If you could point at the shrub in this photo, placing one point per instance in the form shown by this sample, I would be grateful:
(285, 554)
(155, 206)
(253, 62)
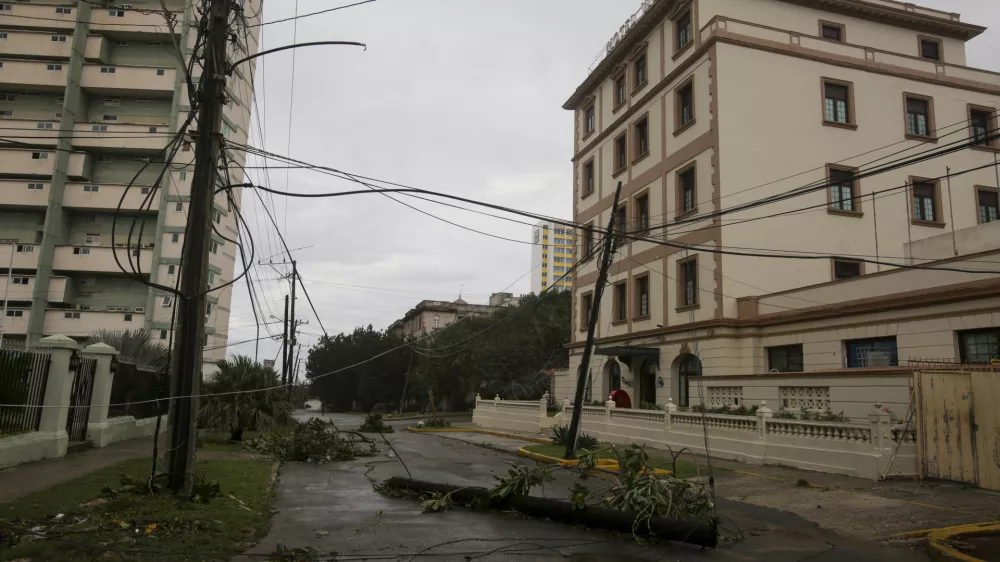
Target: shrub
(560, 436)
(373, 424)
(314, 441)
(650, 406)
(242, 396)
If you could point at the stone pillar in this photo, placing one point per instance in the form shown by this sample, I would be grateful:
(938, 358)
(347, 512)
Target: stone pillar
(670, 409)
(98, 431)
(496, 401)
(565, 406)
(543, 411)
(879, 420)
(763, 414)
(57, 392)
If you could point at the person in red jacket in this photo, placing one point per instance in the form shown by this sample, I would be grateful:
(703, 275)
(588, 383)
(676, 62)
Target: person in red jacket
(621, 399)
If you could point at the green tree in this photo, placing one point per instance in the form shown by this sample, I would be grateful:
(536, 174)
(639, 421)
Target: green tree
(257, 405)
(135, 347)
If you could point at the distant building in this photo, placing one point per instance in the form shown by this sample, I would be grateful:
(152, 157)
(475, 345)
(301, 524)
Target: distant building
(504, 299)
(553, 249)
(433, 315)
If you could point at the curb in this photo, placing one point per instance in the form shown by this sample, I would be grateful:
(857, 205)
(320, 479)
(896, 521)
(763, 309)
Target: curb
(540, 440)
(424, 416)
(938, 540)
(604, 464)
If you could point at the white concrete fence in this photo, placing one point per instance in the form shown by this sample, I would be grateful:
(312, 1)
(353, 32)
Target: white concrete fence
(866, 450)
(51, 440)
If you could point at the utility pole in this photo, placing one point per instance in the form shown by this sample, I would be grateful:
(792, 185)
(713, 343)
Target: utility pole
(292, 339)
(186, 380)
(284, 348)
(602, 278)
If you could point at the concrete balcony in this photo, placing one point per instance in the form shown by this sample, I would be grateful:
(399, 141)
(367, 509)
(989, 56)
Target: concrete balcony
(60, 289)
(39, 163)
(130, 21)
(121, 136)
(15, 194)
(98, 259)
(107, 197)
(128, 80)
(36, 45)
(15, 325)
(28, 131)
(83, 322)
(38, 75)
(22, 259)
(22, 16)
(98, 49)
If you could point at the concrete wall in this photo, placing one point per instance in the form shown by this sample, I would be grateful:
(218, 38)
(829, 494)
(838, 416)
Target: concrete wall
(125, 428)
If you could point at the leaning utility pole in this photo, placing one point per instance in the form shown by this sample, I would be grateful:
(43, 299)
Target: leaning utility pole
(602, 278)
(284, 348)
(186, 380)
(293, 326)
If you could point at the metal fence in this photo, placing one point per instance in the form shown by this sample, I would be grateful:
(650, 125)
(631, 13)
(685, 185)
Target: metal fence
(23, 376)
(936, 364)
(79, 401)
(133, 389)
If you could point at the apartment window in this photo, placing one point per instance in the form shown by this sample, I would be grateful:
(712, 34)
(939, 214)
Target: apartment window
(127, 317)
(687, 278)
(211, 277)
(640, 75)
(216, 217)
(160, 71)
(163, 334)
(588, 238)
(110, 118)
(116, 13)
(71, 315)
(183, 175)
(588, 177)
(175, 237)
(99, 128)
(81, 251)
(39, 155)
(586, 304)
(204, 340)
(92, 240)
(838, 108)
(90, 188)
(20, 280)
(621, 218)
(108, 70)
(36, 186)
(930, 48)
(621, 153)
(112, 102)
(925, 201)
(846, 269)
(686, 190)
(642, 137)
(215, 246)
(983, 125)
(54, 67)
(43, 125)
(167, 301)
(831, 31)
(979, 346)
(589, 119)
(988, 203)
(683, 29)
(171, 269)
(152, 129)
(642, 297)
(843, 190)
(179, 207)
(785, 358)
(621, 302)
(94, 219)
(25, 248)
(121, 43)
(15, 313)
(642, 212)
(685, 106)
(58, 38)
(144, 190)
(619, 90)
(872, 352)
(919, 116)
(7, 114)
(65, 11)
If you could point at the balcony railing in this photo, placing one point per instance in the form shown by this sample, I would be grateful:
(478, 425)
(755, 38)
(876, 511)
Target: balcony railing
(121, 136)
(131, 21)
(107, 196)
(36, 74)
(19, 291)
(100, 259)
(37, 16)
(36, 45)
(82, 322)
(128, 80)
(16, 193)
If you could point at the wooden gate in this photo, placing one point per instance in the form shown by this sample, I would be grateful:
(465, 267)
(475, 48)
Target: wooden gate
(959, 426)
(79, 401)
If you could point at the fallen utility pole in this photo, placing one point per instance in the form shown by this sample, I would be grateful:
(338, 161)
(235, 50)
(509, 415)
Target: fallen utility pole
(186, 379)
(595, 308)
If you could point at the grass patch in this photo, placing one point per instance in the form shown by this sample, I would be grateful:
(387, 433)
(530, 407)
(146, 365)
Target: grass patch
(684, 468)
(220, 441)
(228, 524)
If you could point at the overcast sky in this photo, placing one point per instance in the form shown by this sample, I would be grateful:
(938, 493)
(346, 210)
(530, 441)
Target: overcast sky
(460, 96)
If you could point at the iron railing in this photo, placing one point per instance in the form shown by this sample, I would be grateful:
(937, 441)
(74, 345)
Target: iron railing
(941, 364)
(83, 388)
(23, 377)
(132, 390)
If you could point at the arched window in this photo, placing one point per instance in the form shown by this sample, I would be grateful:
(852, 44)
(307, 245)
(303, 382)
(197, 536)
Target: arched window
(437, 321)
(690, 367)
(647, 383)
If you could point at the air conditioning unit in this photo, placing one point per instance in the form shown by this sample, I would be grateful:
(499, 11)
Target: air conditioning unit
(119, 245)
(140, 309)
(150, 245)
(83, 307)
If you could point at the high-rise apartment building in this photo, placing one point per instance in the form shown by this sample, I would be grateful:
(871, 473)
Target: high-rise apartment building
(746, 128)
(91, 97)
(551, 257)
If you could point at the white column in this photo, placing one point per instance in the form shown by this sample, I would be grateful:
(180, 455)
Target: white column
(763, 414)
(57, 392)
(543, 412)
(98, 431)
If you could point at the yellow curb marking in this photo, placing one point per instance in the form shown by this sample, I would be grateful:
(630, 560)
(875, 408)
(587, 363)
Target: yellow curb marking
(605, 464)
(540, 440)
(937, 538)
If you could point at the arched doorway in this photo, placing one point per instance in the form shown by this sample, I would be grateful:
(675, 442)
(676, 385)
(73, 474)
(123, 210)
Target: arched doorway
(647, 382)
(614, 376)
(690, 367)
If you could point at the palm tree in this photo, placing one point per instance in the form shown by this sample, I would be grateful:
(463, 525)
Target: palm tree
(135, 347)
(260, 404)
